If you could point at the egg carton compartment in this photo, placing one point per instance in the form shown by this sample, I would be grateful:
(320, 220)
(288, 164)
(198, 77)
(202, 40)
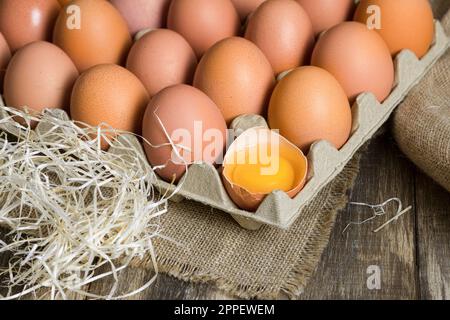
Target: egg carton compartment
(203, 182)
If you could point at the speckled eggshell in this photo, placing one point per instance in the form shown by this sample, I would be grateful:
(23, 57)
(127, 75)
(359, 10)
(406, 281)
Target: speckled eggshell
(143, 14)
(308, 105)
(237, 76)
(203, 22)
(40, 75)
(182, 107)
(325, 14)
(103, 36)
(405, 24)
(162, 58)
(25, 21)
(358, 58)
(109, 94)
(245, 7)
(5, 56)
(283, 32)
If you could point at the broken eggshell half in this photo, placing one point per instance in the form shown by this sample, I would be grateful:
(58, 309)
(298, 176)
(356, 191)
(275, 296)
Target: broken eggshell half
(281, 164)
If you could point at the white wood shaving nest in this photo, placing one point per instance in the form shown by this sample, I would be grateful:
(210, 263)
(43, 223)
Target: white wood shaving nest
(75, 214)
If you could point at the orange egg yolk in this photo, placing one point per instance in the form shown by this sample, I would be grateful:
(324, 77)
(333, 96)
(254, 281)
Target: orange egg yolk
(262, 178)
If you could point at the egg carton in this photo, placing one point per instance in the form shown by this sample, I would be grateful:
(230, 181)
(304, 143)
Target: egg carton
(203, 182)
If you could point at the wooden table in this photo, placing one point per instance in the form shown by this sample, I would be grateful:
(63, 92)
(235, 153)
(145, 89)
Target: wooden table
(412, 255)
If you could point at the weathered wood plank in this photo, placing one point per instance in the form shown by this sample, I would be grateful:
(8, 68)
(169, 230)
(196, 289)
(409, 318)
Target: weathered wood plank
(4, 258)
(3, 261)
(165, 287)
(342, 273)
(433, 242)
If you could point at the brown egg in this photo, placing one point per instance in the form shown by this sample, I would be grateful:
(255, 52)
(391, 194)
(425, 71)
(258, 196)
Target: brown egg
(283, 32)
(404, 24)
(5, 56)
(203, 22)
(143, 14)
(325, 14)
(95, 33)
(64, 2)
(109, 94)
(23, 22)
(236, 75)
(191, 120)
(308, 105)
(162, 58)
(245, 7)
(358, 58)
(40, 75)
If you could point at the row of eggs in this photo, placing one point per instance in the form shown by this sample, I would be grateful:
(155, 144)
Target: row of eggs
(231, 75)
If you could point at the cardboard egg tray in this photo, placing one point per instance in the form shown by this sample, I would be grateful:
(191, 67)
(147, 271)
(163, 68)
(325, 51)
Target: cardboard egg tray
(203, 182)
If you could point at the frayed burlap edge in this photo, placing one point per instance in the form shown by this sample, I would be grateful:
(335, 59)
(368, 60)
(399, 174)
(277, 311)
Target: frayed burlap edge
(303, 270)
(320, 235)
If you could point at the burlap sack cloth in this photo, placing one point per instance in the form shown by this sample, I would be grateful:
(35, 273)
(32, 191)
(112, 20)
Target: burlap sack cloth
(212, 248)
(421, 124)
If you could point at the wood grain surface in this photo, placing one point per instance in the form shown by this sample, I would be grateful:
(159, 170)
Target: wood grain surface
(412, 254)
(342, 273)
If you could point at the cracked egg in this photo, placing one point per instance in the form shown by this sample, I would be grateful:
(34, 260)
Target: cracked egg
(259, 162)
